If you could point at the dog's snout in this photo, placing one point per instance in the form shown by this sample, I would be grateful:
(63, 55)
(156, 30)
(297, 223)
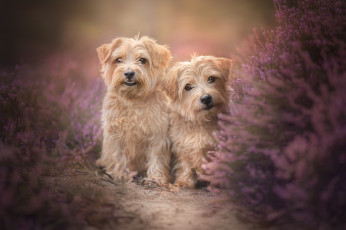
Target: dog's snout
(129, 74)
(206, 99)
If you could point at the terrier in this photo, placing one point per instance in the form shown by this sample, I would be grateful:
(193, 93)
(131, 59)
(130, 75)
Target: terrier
(135, 114)
(198, 92)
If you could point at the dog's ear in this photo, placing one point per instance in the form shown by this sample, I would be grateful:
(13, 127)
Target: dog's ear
(160, 54)
(224, 64)
(171, 80)
(104, 52)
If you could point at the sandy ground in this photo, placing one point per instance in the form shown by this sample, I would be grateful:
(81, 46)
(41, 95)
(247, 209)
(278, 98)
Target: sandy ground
(143, 205)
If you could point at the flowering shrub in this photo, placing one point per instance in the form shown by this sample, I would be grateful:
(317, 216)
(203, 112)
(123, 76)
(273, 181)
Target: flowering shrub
(48, 108)
(281, 151)
(43, 116)
(77, 110)
(27, 203)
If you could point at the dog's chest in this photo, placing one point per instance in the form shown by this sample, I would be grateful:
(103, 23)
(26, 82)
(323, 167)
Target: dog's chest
(142, 122)
(191, 139)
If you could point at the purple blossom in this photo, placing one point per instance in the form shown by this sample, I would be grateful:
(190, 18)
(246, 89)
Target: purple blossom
(281, 149)
(47, 117)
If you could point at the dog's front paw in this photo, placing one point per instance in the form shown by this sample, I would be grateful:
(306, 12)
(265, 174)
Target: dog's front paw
(185, 183)
(120, 176)
(99, 163)
(160, 180)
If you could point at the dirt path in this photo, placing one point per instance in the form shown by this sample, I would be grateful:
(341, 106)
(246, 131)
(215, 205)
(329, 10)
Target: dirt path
(183, 209)
(145, 206)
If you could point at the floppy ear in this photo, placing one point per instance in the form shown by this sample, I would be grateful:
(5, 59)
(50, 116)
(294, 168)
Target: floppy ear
(225, 65)
(160, 54)
(104, 52)
(171, 80)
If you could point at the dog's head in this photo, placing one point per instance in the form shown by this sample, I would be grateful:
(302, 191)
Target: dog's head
(133, 67)
(198, 89)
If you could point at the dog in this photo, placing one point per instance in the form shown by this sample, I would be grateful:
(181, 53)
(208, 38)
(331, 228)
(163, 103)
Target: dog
(135, 115)
(198, 92)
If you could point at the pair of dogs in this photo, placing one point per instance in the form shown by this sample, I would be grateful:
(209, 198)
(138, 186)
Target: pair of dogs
(148, 115)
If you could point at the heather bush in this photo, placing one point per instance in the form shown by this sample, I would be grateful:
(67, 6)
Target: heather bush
(281, 151)
(23, 202)
(48, 119)
(26, 201)
(77, 111)
(61, 111)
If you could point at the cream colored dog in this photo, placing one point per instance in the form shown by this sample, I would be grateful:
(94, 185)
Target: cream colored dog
(198, 92)
(134, 114)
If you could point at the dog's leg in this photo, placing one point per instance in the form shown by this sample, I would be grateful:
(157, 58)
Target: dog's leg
(158, 162)
(107, 149)
(185, 176)
(112, 159)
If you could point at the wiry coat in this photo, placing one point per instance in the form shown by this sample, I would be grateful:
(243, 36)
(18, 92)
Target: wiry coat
(192, 123)
(135, 118)
(190, 143)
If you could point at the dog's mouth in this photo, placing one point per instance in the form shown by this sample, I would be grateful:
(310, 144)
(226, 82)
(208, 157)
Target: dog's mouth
(209, 107)
(130, 83)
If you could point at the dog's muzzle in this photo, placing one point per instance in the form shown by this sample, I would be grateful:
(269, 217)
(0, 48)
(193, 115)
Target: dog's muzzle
(207, 100)
(129, 75)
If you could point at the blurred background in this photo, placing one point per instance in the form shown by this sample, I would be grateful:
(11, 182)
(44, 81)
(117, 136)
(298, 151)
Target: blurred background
(292, 159)
(33, 32)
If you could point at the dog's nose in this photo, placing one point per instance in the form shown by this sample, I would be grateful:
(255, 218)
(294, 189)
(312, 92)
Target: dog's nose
(206, 99)
(129, 74)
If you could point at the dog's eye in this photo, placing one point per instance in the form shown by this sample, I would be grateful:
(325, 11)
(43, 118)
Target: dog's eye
(143, 60)
(118, 60)
(211, 79)
(188, 87)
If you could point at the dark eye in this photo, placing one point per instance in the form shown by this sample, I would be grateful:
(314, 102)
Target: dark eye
(143, 60)
(118, 60)
(188, 87)
(211, 79)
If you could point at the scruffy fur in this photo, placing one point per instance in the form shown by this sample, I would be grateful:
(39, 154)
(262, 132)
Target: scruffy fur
(135, 115)
(191, 121)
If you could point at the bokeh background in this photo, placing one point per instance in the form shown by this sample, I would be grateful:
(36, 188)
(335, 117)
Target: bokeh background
(281, 150)
(51, 92)
(33, 31)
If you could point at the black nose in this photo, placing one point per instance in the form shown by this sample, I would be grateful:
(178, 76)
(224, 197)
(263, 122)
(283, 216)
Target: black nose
(129, 74)
(206, 99)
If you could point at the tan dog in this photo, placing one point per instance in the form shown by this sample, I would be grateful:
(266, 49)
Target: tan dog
(198, 92)
(134, 114)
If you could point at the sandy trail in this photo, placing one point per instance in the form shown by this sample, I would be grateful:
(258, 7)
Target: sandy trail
(145, 206)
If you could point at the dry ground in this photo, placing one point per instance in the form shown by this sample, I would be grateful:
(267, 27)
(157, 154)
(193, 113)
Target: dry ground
(147, 206)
